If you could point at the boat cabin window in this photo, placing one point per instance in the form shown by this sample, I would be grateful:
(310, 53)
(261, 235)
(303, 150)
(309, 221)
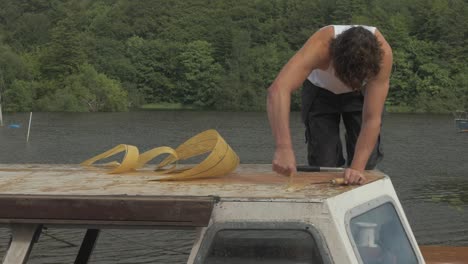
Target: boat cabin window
(379, 237)
(255, 246)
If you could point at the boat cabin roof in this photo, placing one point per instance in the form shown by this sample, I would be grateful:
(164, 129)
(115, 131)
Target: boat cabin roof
(248, 182)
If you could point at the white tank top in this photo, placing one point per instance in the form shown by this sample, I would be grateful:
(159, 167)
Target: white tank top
(327, 79)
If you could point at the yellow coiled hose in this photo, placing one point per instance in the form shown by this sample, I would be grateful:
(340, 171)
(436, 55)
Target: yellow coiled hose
(221, 161)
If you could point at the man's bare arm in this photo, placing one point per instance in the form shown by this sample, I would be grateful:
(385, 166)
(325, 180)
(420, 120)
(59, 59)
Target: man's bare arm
(374, 100)
(313, 55)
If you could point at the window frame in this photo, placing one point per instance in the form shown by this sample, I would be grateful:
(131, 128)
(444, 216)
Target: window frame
(370, 205)
(208, 238)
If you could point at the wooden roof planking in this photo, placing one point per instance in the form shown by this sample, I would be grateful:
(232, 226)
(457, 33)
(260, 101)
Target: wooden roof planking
(247, 182)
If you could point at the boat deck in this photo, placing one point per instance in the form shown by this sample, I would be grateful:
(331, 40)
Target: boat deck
(35, 195)
(70, 194)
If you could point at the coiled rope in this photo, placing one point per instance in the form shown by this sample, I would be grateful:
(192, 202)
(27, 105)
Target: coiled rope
(221, 161)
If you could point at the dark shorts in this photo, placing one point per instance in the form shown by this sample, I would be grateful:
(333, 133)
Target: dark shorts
(322, 113)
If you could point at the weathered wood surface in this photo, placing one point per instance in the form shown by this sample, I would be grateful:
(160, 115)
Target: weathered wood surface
(445, 254)
(247, 182)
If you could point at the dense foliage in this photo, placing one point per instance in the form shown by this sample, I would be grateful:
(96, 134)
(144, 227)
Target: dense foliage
(111, 55)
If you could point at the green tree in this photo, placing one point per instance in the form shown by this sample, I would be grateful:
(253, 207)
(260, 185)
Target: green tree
(20, 96)
(12, 67)
(200, 75)
(30, 31)
(346, 11)
(156, 69)
(86, 91)
(65, 52)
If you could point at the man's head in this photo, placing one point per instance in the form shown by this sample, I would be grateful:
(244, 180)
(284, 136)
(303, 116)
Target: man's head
(356, 56)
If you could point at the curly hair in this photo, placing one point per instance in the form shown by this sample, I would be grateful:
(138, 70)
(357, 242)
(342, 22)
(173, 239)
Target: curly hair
(356, 55)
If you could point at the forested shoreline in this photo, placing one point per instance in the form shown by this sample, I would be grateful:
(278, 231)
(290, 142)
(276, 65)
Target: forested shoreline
(118, 55)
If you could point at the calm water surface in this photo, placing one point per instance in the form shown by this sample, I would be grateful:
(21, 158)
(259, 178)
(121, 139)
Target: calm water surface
(424, 156)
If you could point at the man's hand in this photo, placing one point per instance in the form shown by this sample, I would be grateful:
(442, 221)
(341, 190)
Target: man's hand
(284, 161)
(352, 176)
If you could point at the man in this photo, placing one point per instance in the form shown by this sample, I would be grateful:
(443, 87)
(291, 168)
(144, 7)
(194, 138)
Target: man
(347, 70)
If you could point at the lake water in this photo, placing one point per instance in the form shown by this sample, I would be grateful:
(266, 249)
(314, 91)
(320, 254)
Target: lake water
(425, 157)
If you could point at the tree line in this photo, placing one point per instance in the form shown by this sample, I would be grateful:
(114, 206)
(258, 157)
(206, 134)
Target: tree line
(116, 55)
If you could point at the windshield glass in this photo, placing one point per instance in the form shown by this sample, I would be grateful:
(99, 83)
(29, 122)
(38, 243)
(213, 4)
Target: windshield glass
(264, 246)
(380, 237)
